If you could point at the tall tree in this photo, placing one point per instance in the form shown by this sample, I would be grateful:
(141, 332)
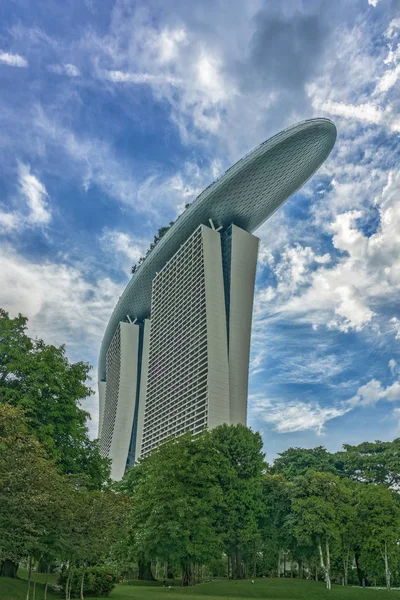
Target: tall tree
(378, 521)
(173, 496)
(320, 509)
(276, 505)
(240, 480)
(40, 379)
(30, 492)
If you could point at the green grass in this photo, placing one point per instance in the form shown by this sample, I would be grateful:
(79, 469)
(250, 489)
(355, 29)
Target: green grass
(15, 589)
(267, 589)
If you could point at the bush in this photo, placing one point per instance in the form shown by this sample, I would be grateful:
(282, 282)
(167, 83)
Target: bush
(98, 581)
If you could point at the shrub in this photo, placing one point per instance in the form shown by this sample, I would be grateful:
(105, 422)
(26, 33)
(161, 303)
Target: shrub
(98, 581)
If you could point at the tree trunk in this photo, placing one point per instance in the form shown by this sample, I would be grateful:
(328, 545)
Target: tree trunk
(279, 563)
(325, 567)
(8, 568)
(46, 582)
(165, 570)
(238, 565)
(70, 583)
(34, 589)
(228, 570)
(346, 567)
(82, 580)
(255, 564)
(29, 578)
(316, 572)
(360, 573)
(233, 566)
(145, 572)
(187, 575)
(387, 570)
(328, 567)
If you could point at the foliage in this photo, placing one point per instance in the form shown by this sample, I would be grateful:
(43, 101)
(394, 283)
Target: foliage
(31, 491)
(378, 521)
(320, 511)
(174, 494)
(240, 481)
(39, 379)
(97, 581)
(298, 461)
(372, 462)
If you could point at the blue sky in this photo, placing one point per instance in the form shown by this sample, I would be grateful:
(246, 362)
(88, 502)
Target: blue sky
(113, 115)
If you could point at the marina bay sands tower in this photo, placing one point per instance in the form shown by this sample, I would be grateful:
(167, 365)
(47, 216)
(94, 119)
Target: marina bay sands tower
(175, 353)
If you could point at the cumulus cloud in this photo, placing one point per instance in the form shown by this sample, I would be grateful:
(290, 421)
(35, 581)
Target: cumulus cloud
(13, 60)
(373, 391)
(344, 294)
(64, 304)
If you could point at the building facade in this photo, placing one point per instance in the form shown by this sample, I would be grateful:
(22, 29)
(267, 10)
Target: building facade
(175, 354)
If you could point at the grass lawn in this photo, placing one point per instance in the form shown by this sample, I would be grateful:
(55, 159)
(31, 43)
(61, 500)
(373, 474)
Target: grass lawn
(267, 589)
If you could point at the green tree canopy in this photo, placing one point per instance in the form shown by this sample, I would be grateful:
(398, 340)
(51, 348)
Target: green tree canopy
(372, 462)
(31, 490)
(39, 379)
(173, 493)
(294, 462)
(240, 479)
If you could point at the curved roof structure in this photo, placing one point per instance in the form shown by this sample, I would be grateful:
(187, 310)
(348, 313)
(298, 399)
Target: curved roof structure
(246, 195)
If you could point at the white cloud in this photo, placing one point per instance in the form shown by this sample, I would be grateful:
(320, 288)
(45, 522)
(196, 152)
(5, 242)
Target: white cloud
(373, 391)
(13, 60)
(36, 195)
(346, 293)
(120, 243)
(9, 221)
(65, 69)
(139, 78)
(393, 366)
(64, 304)
(373, 2)
(95, 162)
(395, 326)
(291, 416)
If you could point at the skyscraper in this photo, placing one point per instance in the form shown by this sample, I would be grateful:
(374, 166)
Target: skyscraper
(175, 353)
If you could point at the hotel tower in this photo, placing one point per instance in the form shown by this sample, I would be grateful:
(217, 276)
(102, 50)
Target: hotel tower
(175, 354)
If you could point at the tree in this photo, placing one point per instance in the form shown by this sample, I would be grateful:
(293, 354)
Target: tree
(276, 497)
(173, 497)
(294, 462)
(240, 478)
(320, 509)
(378, 521)
(93, 522)
(40, 379)
(30, 492)
(372, 462)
